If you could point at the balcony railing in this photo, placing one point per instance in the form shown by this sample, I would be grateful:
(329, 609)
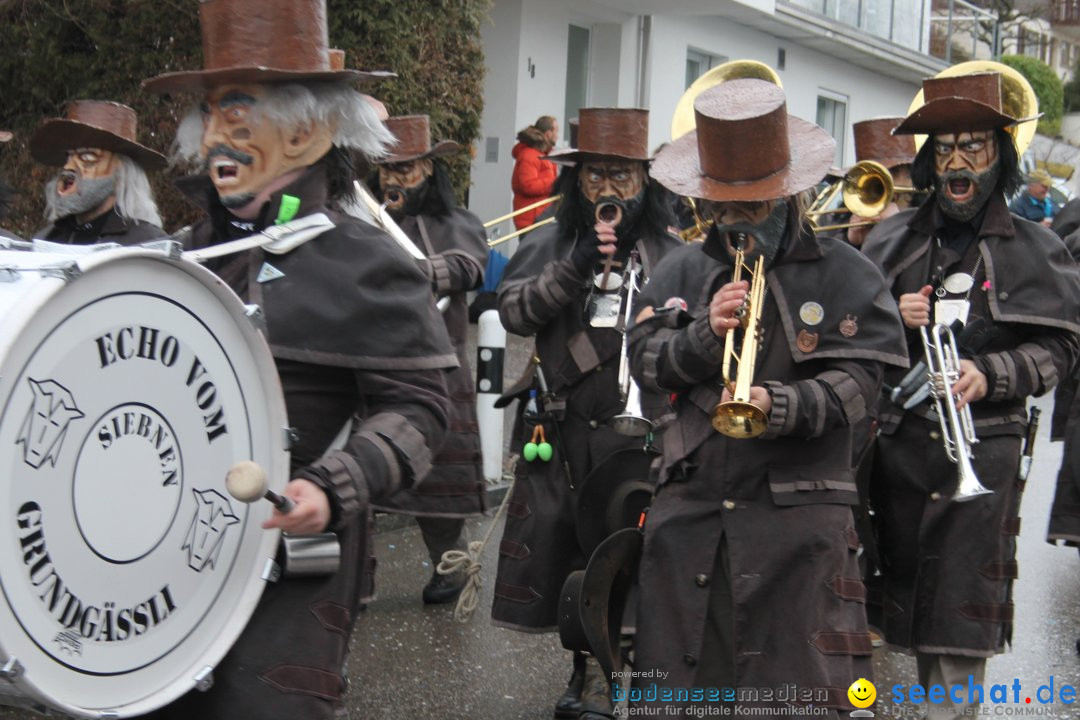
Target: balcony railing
(1065, 12)
(898, 21)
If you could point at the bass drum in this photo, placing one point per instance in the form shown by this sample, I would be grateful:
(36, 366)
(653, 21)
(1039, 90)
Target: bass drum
(130, 381)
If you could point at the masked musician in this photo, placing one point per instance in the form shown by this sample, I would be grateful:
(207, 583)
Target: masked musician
(7, 194)
(874, 141)
(949, 566)
(550, 291)
(414, 184)
(101, 193)
(748, 576)
(350, 321)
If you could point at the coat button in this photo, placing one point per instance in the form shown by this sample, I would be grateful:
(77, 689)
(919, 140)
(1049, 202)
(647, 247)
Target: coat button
(1003, 295)
(935, 496)
(689, 659)
(729, 505)
(935, 435)
(593, 424)
(702, 580)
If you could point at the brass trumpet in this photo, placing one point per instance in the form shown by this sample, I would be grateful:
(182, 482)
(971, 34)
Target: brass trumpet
(957, 428)
(865, 190)
(739, 418)
(631, 421)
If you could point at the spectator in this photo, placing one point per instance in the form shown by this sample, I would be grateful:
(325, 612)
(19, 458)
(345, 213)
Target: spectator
(1035, 203)
(534, 176)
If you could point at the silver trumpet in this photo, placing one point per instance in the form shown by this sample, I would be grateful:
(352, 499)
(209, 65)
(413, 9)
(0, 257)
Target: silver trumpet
(630, 421)
(957, 428)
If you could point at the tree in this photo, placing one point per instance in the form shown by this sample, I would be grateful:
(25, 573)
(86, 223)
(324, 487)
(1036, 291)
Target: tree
(1048, 89)
(103, 49)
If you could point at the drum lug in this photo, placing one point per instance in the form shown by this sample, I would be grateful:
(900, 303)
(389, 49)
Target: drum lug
(290, 437)
(108, 714)
(204, 679)
(12, 669)
(172, 249)
(255, 315)
(67, 272)
(9, 274)
(271, 571)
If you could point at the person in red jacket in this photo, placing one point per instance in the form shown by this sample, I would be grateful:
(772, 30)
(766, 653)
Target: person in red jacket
(533, 176)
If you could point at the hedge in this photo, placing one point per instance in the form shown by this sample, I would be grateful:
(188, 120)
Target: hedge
(1048, 89)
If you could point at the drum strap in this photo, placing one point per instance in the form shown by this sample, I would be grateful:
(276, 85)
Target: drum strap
(276, 239)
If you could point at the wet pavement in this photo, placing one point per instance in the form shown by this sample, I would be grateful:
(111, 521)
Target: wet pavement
(412, 661)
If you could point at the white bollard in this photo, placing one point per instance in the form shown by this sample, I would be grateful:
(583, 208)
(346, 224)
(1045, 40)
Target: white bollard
(490, 349)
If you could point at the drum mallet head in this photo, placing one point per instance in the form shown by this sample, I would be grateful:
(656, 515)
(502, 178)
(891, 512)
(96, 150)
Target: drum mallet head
(246, 482)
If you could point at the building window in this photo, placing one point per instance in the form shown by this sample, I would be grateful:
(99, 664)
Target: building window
(832, 115)
(577, 75)
(1066, 55)
(698, 63)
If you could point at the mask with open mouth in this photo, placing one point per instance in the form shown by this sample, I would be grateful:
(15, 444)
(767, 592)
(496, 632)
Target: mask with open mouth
(624, 214)
(223, 164)
(961, 194)
(70, 194)
(764, 238)
(404, 201)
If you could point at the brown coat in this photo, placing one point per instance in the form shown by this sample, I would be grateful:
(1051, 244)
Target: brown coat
(949, 567)
(778, 504)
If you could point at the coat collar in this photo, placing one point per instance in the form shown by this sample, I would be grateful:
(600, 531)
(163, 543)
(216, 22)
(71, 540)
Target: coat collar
(996, 221)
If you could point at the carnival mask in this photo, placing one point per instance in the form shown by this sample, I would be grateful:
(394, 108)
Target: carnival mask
(757, 228)
(246, 149)
(85, 187)
(967, 170)
(404, 184)
(617, 188)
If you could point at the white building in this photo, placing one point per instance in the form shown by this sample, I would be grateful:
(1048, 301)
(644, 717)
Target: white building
(840, 61)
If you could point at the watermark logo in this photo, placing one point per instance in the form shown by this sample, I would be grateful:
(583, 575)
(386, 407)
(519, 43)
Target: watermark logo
(862, 695)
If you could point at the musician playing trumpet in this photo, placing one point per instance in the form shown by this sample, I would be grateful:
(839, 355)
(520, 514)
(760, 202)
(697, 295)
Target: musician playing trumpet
(1012, 290)
(555, 289)
(749, 576)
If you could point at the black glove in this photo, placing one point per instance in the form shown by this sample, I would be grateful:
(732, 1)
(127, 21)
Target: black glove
(586, 254)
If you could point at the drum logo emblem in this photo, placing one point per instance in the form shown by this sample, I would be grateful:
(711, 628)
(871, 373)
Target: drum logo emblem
(46, 424)
(206, 535)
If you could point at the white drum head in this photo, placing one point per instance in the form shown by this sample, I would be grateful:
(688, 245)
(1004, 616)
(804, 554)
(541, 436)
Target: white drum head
(126, 393)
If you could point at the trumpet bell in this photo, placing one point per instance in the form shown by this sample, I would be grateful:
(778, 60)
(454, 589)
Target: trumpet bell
(739, 420)
(868, 188)
(631, 425)
(1018, 99)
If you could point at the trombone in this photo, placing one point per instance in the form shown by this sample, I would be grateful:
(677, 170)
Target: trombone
(865, 190)
(739, 418)
(522, 231)
(957, 428)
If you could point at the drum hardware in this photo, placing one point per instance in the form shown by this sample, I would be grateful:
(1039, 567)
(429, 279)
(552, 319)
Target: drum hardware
(288, 235)
(256, 315)
(8, 274)
(739, 418)
(67, 271)
(204, 679)
(630, 422)
(290, 437)
(271, 571)
(957, 428)
(12, 669)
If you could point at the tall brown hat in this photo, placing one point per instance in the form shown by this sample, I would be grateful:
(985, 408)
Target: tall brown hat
(745, 147)
(874, 141)
(609, 132)
(93, 124)
(260, 41)
(962, 102)
(413, 135)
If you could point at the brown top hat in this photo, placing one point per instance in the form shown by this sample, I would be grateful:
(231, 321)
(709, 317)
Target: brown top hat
(413, 135)
(92, 124)
(745, 147)
(962, 102)
(259, 41)
(611, 132)
(874, 141)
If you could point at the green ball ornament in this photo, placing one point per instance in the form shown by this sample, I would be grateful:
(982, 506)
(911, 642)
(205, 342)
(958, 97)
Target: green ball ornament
(544, 451)
(530, 451)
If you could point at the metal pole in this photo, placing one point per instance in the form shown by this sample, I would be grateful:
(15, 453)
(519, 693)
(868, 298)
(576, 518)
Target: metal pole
(948, 36)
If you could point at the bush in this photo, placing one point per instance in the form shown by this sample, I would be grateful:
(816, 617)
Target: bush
(1048, 89)
(103, 49)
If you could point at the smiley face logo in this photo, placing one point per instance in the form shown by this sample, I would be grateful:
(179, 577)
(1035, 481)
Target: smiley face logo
(862, 693)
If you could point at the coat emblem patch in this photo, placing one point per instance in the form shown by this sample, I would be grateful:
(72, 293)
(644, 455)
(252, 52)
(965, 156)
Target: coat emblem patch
(806, 341)
(848, 326)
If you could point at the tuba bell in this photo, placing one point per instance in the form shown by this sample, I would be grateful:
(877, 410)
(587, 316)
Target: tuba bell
(739, 418)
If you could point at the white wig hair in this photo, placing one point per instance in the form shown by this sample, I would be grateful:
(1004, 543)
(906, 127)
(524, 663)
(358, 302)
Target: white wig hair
(134, 196)
(357, 125)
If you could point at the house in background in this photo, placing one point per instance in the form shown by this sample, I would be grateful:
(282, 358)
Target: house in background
(840, 61)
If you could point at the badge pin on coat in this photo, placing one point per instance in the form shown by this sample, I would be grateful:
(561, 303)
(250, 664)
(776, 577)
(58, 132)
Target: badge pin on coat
(267, 273)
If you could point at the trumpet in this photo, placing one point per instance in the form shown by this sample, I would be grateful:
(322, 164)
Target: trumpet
(630, 422)
(865, 190)
(957, 428)
(739, 418)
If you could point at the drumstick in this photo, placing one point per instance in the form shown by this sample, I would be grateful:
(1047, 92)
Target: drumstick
(246, 482)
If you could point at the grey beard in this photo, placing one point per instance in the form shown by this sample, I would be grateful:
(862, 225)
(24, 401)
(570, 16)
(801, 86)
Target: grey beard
(768, 235)
(89, 195)
(984, 184)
